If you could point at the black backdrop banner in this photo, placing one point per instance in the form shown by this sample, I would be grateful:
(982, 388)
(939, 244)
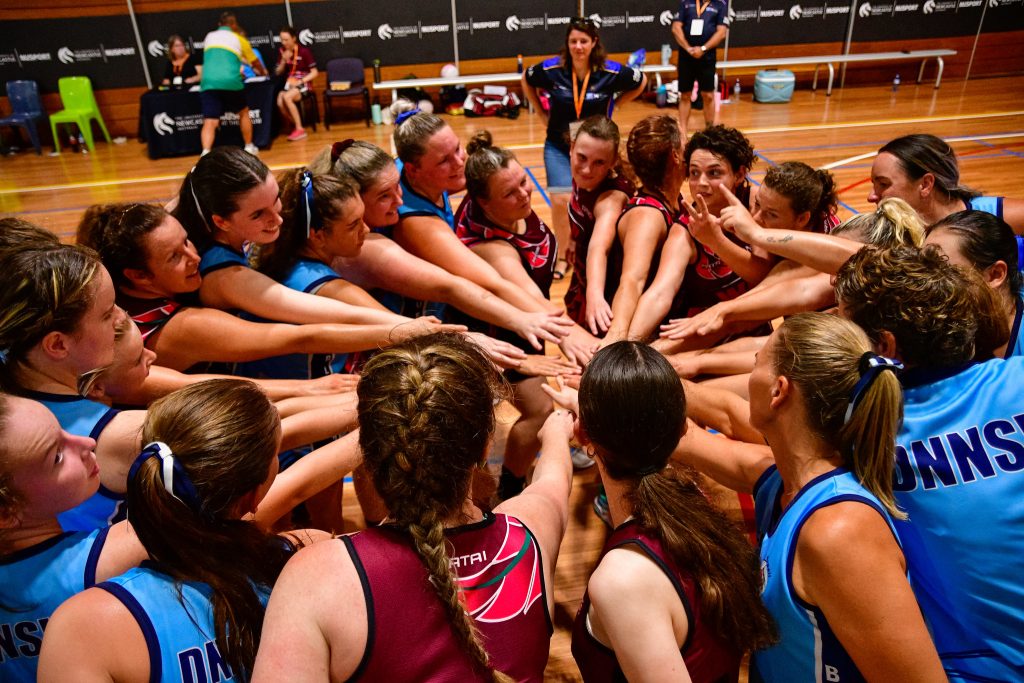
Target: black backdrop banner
(1004, 15)
(787, 22)
(45, 50)
(629, 26)
(261, 24)
(394, 33)
(489, 29)
(909, 19)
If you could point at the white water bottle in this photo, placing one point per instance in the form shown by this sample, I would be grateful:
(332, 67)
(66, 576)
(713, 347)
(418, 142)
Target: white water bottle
(896, 83)
(666, 54)
(736, 90)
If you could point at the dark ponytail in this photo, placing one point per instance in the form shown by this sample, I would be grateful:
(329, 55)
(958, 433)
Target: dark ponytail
(213, 187)
(223, 435)
(633, 410)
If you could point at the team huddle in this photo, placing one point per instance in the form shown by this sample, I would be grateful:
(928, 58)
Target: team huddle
(187, 387)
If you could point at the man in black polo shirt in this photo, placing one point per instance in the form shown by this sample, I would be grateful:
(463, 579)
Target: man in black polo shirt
(698, 27)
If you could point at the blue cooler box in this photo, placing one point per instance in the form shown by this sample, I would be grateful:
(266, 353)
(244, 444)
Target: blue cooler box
(774, 86)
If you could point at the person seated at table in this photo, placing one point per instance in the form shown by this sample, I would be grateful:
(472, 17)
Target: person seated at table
(298, 66)
(181, 70)
(224, 52)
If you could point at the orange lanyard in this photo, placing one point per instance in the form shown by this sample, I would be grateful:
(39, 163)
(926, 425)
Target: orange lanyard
(578, 97)
(701, 8)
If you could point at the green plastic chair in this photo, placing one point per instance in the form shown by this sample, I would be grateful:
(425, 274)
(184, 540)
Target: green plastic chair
(80, 108)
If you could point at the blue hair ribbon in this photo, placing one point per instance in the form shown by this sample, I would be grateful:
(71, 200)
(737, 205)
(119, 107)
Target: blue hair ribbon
(871, 365)
(313, 221)
(4, 353)
(405, 115)
(172, 474)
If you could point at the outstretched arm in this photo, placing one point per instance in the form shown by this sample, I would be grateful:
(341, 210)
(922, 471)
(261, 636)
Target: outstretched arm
(642, 231)
(656, 302)
(238, 287)
(384, 264)
(734, 464)
(607, 210)
(825, 253)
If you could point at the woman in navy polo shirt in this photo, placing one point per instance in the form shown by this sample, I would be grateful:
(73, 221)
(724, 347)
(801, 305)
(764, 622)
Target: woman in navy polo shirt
(581, 83)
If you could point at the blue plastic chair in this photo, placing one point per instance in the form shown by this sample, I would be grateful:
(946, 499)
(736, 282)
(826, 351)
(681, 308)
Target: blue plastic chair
(26, 110)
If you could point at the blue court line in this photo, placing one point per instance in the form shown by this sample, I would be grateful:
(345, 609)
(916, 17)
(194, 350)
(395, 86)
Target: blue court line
(540, 189)
(1001, 152)
(872, 143)
(761, 156)
(841, 203)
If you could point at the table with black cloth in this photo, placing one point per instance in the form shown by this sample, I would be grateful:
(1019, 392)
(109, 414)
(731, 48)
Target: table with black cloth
(171, 120)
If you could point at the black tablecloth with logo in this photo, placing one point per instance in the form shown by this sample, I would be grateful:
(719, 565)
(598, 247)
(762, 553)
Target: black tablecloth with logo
(170, 120)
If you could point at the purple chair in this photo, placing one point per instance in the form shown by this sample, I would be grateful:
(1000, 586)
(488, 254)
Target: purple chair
(343, 69)
(26, 110)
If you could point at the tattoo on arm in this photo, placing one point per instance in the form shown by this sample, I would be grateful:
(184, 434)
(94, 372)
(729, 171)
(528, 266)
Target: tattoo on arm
(779, 240)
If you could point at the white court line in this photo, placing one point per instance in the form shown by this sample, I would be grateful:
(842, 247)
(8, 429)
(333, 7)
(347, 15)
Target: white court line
(751, 131)
(961, 138)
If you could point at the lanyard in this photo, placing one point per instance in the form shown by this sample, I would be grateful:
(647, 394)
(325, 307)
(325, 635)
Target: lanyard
(578, 97)
(701, 8)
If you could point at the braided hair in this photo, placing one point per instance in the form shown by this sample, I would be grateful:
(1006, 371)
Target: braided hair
(426, 416)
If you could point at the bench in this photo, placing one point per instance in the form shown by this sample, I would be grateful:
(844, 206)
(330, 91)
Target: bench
(828, 60)
(477, 79)
(658, 69)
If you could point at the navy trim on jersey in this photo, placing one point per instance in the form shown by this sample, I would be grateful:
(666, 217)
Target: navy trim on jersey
(364, 581)
(43, 546)
(145, 625)
(764, 477)
(806, 487)
(47, 396)
(102, 423)
(1015, 330)
(318, 283)
(94, 557)
(915, 377)
(407, 188)
(213, 267)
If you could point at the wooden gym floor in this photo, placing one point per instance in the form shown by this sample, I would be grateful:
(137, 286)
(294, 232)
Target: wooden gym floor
(983, 119)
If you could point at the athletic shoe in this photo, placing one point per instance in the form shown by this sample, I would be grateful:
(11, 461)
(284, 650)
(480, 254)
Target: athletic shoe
(580, 459)
(601, 508)
(297, 134)
(252, 149)
(204, 153)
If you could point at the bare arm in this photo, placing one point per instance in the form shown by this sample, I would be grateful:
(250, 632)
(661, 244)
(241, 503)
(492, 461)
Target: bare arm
(315, 628)
(196, 335)
(543, 506)
(680, 36)
(734, 464)
(94, 636)
(636, 610)
(308, 476)
(849, 564)
(238, 287)
(432, 240)
(349, 293)
(606, 212)
(386, 265)
(825, 253)
(655, 303)
(721, 410)
(783, 298)
(642, 232)
(316, 424)
(1013, 214)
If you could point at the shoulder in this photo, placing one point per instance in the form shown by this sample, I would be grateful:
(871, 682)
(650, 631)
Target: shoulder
(627, 573)
(840, 533)
(551, 63)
